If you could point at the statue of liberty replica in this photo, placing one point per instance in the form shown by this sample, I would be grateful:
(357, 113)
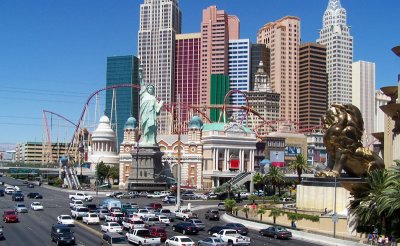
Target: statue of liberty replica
(146, 155)
(149, 110)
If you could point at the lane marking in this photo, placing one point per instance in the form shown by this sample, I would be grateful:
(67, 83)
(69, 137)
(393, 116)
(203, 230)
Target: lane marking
(88, 228)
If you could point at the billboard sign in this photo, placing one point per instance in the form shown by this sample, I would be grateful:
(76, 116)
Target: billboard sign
(292, 150)
(277, 158)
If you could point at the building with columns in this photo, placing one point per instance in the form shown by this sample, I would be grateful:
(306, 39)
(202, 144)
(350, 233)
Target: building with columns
(103, 147)
(228, 149)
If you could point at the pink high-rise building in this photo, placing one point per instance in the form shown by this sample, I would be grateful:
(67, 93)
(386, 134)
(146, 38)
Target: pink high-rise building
(282, 37)
(217, 28)
(187, 74)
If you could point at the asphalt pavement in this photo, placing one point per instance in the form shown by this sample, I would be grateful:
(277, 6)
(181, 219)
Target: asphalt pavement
(34, 226)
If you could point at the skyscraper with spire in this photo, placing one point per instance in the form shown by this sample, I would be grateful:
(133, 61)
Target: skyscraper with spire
(160, 21)
(335, 34)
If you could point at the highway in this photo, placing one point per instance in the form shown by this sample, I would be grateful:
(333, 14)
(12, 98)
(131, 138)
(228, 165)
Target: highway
(34, 226)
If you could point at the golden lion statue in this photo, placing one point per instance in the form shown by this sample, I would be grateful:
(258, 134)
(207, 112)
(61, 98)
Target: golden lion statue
(342, 139)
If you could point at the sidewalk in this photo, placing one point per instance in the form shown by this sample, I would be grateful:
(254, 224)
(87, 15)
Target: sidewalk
(303, 236)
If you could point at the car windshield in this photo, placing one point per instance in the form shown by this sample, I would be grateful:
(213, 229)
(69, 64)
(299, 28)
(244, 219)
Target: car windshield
(138, 222)
(143, 233)
(238, 225)
(162, 217)
(119, 240)
(214, 212)
(9, 212)
(93, 215)
(78, 202)
(83, 210)
(186, 240)
(230, 232)
(20, 205)
(64, 230)
(66, 218)
(114, 224)
(166, 211)
(36, 203)
(197, 222)
(153, 219)
(280, 229)
(218, 240)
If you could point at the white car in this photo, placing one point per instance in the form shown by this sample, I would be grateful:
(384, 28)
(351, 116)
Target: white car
(111, 227)
(180, 240)
(164, 219)
(65, 219)
(91, 218)
(9, 190)
(36, 206)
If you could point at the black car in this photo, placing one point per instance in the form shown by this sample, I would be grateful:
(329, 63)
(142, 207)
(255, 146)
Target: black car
(212, 214)
(62, 234)
(231, 195)
(17, 196)
(92, 207)
(30, 185)
(241, 229)
(216, 229)
(34, 195)
(276, 232)
(1, 192)
(185, 228)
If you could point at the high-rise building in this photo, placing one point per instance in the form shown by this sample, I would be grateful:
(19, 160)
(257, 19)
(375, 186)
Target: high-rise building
(263, 100)
(380, 100)
(282, 37)
(123, 102)
(217, 28)
(187, 74)
(364, 95)
(218, 90)
(160, 21)
(239, 69)
(335, 34)
(313, 85)
(259, 52)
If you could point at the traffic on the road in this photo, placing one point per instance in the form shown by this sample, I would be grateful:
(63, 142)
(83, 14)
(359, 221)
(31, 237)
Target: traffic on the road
(54, 217)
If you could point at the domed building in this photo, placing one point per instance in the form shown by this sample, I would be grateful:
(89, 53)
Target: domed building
(103, 148)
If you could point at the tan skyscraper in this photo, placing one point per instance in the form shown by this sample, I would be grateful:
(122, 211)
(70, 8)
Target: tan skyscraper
(282, 37)
(160, 21)
(217, 28)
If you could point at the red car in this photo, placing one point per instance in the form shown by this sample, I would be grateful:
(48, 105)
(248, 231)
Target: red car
(155, 206)
(10, 216)
(158, 232)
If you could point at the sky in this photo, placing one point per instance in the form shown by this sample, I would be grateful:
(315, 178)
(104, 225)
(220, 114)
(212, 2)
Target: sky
(53, 53)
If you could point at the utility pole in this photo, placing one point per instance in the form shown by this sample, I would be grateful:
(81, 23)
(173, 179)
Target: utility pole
(334, 217)
(178, 189)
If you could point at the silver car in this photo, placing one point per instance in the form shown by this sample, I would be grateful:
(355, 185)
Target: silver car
(214, 241)
(101, 213)
(21, 208)
(198, 223)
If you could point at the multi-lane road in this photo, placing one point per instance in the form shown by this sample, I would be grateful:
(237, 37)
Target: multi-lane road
(34, 226)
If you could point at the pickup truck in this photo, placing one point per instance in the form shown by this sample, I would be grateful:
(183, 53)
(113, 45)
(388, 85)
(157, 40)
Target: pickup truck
(114, 217)
(167, 213)
(232, 237)
(76, 203)
(79, 212)
(142, 237)
(185, 214)
(81, 196)
(131, 223)
(143, 213)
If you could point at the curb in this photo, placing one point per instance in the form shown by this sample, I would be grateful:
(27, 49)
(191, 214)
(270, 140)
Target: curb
(303, 236)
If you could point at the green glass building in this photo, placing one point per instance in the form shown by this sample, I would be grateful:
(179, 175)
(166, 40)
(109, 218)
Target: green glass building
(218, 89)
(122, 70)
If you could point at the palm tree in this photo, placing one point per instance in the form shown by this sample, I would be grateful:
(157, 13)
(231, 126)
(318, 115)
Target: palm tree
(258, 180)
(261, 211)
(274, 214)
(276, 177)
(365, 205)
(236, 209)
(229, 204)
(300, 165)
(246, 211)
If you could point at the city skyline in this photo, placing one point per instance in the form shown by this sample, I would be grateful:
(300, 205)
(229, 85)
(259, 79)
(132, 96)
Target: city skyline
(54, 54)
